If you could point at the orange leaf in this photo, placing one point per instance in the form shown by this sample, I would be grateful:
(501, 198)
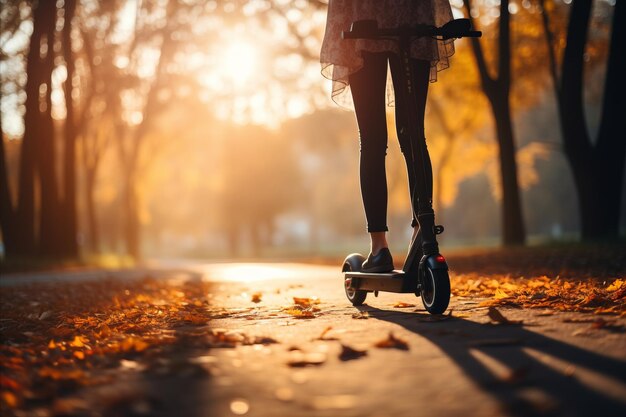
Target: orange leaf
(299, 313)
(6, 382)
(78, 341)
(105, 331)
(348, 353)
(323, 336)
(392, 342)
(498, 317)
(616, 285)
(133, 344)
(54, 373)
(306, 301)
(500, 294)
(256, 297)
(401, 304)
(9, 399)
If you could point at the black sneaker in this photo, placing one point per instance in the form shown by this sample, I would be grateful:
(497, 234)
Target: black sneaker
(381, 262)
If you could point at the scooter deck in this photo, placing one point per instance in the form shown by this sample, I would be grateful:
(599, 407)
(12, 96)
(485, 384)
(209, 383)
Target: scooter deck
(396, 281)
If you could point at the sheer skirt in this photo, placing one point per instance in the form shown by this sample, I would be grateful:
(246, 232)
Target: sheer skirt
(340, 58)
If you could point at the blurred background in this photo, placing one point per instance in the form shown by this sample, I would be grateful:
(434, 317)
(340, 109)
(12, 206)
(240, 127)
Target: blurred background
(204, 129)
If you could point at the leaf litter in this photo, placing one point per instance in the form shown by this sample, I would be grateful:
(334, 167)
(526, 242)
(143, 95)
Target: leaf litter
(57, 339)
(587, 296)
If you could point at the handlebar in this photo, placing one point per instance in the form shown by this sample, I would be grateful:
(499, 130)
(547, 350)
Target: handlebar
(368, 29)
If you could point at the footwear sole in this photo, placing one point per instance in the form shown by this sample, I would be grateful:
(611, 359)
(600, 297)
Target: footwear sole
(380, 268)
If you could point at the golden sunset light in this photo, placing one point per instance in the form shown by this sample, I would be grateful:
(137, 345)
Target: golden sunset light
(312, 208)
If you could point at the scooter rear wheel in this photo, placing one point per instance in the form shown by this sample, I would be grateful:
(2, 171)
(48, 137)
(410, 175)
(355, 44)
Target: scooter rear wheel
(435, 290)
(353, 264)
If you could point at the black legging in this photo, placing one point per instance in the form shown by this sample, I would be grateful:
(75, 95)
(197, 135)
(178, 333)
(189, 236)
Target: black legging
(368, 93)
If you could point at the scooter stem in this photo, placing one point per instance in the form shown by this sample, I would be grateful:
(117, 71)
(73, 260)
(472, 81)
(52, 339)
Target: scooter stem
(427, 227)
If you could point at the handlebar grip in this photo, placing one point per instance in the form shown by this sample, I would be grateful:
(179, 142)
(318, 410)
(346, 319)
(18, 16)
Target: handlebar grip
(474, 34)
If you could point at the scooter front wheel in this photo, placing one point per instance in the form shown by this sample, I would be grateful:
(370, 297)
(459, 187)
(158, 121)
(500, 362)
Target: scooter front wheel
(353, 264)
(435, 290)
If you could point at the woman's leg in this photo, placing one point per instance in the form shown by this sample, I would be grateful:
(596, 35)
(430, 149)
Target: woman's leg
(368, 93)
(419, 172)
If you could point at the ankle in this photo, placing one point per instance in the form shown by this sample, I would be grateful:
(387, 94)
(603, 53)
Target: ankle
(378, 242)
(376, 249)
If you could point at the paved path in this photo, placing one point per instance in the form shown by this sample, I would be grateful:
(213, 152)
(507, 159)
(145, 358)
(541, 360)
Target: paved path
(457, 366)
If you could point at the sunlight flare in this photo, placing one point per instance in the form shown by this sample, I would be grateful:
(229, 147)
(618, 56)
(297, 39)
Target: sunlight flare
(238, 62)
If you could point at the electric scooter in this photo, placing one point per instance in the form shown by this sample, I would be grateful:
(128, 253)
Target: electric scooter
(425, 270)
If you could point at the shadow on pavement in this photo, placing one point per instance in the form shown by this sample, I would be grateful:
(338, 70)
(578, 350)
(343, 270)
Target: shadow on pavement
(179, 382)
(545, 376)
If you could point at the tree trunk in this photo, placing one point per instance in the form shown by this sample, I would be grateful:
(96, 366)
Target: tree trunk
(497, 91)
(132, 225)
(69, 216)
(512, 222)
(7, 212)
(25, 243)
(611, 145)
(93, 230)
(49, 213)
(598, 170)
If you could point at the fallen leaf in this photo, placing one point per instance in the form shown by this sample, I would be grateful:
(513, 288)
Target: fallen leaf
(500, 294)
(300, 313)
(60, 374)
(105, 331)
(348, 353)
(223, 338)
(256, 297)
(392, 342)
(9, 399)
(299, 359)
(134, 344)
(323, 336)
(194, 318)
(6, 382)
(361, 315)
(78, 341)
(306, 301)
(498, 317)
(616, 285)
(401, 304)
